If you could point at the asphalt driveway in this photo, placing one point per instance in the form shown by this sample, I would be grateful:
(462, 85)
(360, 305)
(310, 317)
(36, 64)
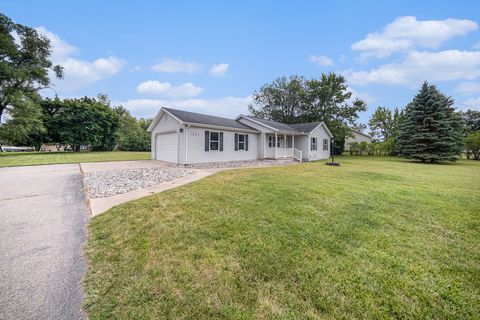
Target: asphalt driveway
(43, 219)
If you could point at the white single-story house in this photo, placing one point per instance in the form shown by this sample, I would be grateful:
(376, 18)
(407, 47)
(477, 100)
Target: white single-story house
(183, 137)
(357, 137)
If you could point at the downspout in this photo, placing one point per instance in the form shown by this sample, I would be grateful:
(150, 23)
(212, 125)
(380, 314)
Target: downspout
(186, 141)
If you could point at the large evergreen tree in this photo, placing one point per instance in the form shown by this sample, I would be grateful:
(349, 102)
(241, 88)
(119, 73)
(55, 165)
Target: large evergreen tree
(432, 130)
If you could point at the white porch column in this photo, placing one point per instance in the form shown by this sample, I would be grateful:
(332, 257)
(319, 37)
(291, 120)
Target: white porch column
(276, 145)
(293, 144)
(284, 144)
(263, 145)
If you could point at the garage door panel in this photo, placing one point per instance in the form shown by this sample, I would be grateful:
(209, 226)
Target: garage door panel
(166, 147)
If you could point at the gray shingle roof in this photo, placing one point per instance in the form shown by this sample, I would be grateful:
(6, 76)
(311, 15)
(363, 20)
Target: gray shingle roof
(360, 132)
(192, 117)
(305, 127)
(273, 124)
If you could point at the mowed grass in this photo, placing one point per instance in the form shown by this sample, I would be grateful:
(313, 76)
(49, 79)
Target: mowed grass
(375, 238)
(11, 159)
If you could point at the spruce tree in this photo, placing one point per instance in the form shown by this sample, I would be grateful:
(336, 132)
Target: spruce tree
(432, 130)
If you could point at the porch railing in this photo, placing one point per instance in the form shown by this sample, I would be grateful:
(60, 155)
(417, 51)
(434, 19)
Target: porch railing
(297, 154)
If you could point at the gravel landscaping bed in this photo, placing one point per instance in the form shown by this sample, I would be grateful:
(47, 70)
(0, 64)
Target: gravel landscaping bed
(108, 183)
(240, 164)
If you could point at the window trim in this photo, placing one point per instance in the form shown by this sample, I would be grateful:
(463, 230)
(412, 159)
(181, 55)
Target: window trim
(279, 144)
(313, 144)
(244, 142)
(325, 145)
(271, 141)
(210, 141)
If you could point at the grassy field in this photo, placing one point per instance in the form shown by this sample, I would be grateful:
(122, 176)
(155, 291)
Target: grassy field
(375, 238)
(11, 159)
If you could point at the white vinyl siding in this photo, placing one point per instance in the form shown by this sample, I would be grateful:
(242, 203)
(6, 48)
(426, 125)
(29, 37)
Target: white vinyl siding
(304, 143)
(357, 137)
(196, 147)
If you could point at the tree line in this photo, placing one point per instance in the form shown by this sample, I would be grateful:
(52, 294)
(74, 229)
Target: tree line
(71, 123)
(428, 129)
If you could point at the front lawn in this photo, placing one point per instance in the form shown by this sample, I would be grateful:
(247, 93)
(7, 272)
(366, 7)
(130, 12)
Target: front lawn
(375, 238)
(10, 159)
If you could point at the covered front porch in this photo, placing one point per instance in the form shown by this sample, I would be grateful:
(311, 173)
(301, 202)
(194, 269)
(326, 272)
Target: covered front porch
(280, 146)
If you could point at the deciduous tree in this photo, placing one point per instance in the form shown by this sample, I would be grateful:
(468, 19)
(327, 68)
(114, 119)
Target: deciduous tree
(85, 121)
(472, 142)
(132, 134)
(24, 63)
(381, 124)
(471, 118)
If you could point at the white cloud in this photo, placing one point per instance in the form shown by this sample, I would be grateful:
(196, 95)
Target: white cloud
(321, 60)
(154, 87)
(468, 87)
(176, 66)
(61, 50)
(229, 107)
(407, 33)
(77, 72)
(135, 69)
(166, 89)
(419, 66)
(219, 70)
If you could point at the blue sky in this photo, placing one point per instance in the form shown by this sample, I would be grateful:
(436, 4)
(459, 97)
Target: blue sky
(210, 56)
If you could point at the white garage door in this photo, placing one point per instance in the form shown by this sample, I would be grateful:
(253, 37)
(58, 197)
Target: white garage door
(166, 147)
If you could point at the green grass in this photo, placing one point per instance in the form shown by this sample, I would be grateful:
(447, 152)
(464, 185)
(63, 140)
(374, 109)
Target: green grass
(375, 238)
(11, 159)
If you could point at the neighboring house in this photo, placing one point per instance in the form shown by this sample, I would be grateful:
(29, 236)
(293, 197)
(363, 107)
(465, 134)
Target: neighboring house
(49, 147)
(357, 137)
(185, 137)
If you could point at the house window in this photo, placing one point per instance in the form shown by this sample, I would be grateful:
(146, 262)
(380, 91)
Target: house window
(325, 144)
(271, 141)
(313, 144)
(280, 142)
(241, 141)
(214, 140)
